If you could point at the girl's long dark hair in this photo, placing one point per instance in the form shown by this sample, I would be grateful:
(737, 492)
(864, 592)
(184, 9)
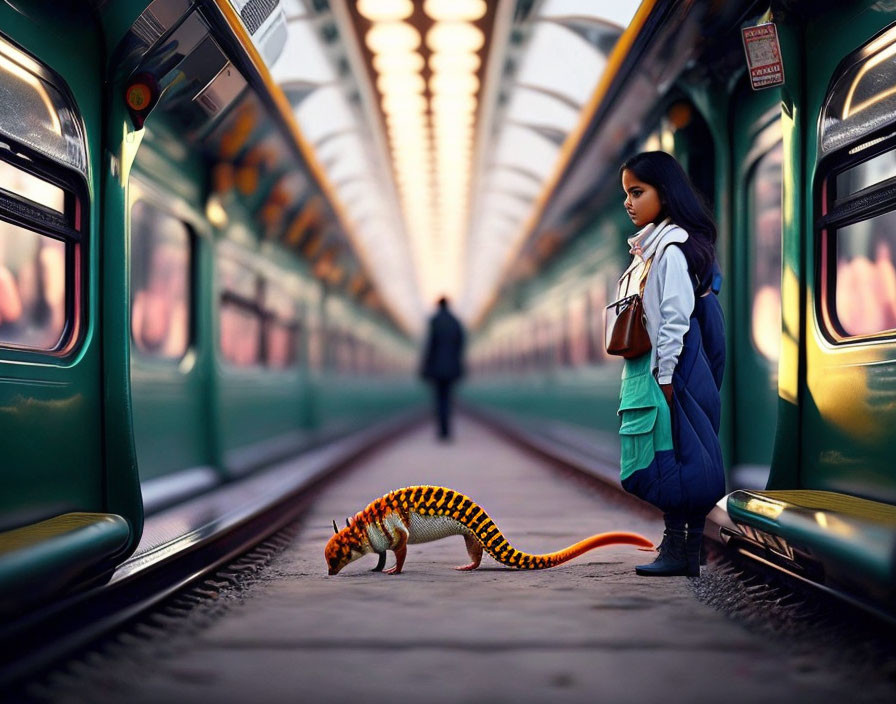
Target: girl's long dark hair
(681, 204)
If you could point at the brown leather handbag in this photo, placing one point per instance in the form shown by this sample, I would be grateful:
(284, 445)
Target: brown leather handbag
(625, 327)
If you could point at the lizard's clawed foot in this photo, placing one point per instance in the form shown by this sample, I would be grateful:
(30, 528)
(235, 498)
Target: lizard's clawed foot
(395, 569)
(467, 568)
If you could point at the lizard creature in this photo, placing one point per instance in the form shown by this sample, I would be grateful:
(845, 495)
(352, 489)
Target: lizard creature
(420, 514)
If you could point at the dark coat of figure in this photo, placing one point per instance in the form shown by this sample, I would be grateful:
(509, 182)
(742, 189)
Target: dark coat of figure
(443, 362)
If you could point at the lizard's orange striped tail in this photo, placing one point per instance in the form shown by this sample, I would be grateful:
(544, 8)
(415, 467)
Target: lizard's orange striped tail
(596, 541)
(525, 561)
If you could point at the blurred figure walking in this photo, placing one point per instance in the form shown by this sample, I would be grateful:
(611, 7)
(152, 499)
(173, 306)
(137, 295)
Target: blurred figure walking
(442, 363)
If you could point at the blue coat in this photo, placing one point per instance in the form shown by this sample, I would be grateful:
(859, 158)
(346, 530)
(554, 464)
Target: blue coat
(690, 476)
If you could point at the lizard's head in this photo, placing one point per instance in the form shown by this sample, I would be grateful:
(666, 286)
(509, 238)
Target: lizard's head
(342, 549)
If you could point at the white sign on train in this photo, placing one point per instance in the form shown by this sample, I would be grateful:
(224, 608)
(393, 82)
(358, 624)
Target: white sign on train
(763, 55)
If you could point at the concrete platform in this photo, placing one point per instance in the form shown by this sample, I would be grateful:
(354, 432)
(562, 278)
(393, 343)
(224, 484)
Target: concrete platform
(586, 631)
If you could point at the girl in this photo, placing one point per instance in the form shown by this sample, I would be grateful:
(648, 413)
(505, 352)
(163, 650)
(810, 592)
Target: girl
(670, 402)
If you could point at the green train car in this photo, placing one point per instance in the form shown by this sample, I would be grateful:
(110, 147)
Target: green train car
(179, 301)
(180, 304)
(801, 180)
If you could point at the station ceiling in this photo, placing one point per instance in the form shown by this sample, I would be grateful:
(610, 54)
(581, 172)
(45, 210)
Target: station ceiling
(439, 124)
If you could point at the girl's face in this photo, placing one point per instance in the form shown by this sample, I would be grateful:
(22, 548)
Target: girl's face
(642, 201)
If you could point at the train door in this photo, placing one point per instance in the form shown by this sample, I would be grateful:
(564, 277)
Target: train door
(169, 360)
(848, 389)
(56, 476)
(755, 282)
(49, 349)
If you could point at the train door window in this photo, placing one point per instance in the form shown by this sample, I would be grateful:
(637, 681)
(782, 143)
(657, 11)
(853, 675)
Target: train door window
(42, 210)
(280, 327)
(240, 314)
(35, 189)
(865, 291)
(160, 282)
(857, 196)
(39, 259)
(865, 276)
(765, 211)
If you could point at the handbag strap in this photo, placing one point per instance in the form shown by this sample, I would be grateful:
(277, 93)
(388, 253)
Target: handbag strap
(643, 281)
(627, 277)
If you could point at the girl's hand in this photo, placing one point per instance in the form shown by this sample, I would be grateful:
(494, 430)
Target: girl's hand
(667, 392)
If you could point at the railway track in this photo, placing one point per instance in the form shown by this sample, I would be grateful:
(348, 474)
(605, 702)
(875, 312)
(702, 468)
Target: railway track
(173, 559)
(824, 636)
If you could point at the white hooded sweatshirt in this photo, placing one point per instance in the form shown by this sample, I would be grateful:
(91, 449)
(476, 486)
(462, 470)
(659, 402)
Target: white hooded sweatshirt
(668, 293)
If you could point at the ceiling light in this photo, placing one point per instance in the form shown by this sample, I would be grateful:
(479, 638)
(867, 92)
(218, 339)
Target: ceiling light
(400, 83)
(392, 38)
(454, 62)
(453, 103)
(404, 102)
(453, 118)
(403, 120)
(407, 62)
(454, 37)
(380, 10)
(454, 84)
(455, 9)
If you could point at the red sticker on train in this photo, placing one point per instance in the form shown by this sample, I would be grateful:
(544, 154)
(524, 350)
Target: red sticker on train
(763, 54)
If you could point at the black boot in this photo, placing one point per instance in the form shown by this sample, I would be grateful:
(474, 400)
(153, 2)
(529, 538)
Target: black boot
(693, 548)
(672, 560)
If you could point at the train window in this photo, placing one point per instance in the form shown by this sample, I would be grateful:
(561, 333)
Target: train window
(35, 189)
(765, 191)
(858, 258)
(160, 282)
(866, 276)
(32, 288)
(280, 330)
(237, 279)
(240, 315)
(856, 186)
(866, 174)
(42, 160)
(36, 280)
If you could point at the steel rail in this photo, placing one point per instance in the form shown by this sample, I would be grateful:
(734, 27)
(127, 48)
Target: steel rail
(39, 639)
